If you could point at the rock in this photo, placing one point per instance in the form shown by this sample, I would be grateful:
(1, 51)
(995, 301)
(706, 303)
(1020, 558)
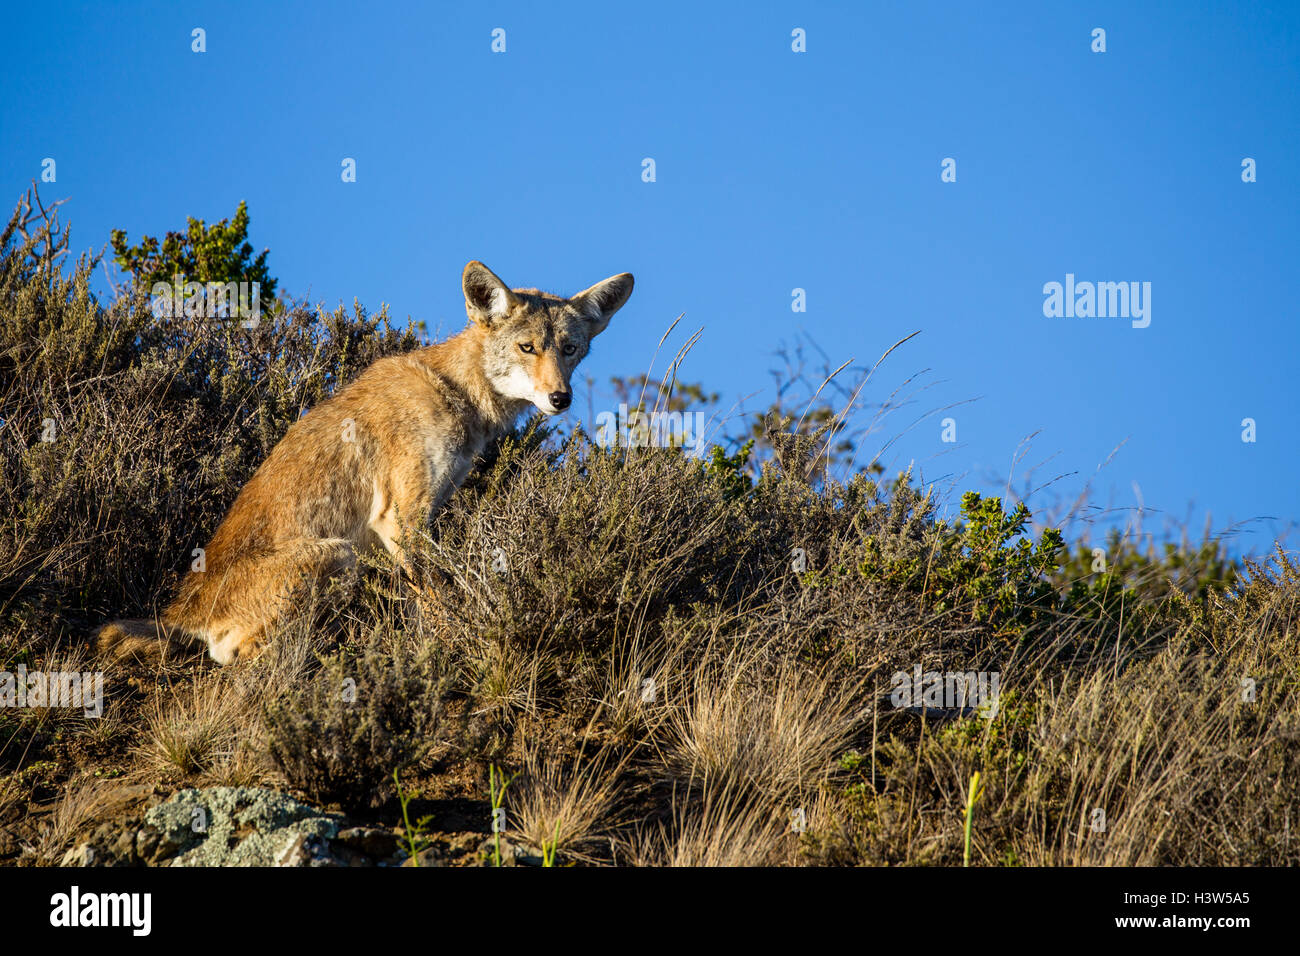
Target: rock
(121, 845)
(512, 853)
(83, 855)
(235, 826)
(430, 856)
(527, 856)
(113, 843)
(238, 826)
(447, 849)
(307, 849)
(147, 844)
(9, 845)
(367, 841)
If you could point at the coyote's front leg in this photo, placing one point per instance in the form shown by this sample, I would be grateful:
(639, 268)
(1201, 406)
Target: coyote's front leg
(397, 514)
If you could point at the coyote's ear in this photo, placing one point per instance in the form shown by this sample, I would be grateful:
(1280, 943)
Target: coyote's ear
(602, 300)
(487, 298)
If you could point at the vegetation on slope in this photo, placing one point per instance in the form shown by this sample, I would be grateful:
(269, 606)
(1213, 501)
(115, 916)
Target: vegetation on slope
(671, 659)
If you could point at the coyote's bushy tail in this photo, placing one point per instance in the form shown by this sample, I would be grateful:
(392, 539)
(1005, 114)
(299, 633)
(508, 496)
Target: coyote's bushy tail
(140, 638)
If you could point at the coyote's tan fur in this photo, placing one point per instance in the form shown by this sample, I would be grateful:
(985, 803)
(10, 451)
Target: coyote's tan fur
(377, 459)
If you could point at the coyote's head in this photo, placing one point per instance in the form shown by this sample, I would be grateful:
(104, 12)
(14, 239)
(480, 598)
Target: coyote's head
(532, 341)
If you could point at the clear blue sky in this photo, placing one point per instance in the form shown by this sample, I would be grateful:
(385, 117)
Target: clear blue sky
(775, 170)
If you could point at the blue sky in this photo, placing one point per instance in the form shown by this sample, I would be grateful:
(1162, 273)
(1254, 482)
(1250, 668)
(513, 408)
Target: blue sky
(775, 170)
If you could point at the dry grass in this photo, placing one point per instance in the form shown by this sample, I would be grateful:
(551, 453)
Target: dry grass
(565, 805)
(719, 829)
(208, 730)
(200, 731)
(85, 801)
(669, 687)
(773, 735)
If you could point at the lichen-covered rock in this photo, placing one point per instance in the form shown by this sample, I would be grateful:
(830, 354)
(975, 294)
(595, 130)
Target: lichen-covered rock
(238, 826)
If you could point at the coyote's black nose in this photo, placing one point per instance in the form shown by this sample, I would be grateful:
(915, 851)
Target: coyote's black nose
(560, 399)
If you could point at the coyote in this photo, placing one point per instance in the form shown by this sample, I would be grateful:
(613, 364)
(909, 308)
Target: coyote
(375, 460)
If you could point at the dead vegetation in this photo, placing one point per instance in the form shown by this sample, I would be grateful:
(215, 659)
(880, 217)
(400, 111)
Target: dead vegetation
(674, 661)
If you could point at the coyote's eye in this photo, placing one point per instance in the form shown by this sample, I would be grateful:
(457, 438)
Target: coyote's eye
(526, 348)
(570, 349)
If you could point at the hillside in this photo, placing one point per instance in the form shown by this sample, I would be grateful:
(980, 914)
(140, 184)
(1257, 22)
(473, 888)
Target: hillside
(640, 656)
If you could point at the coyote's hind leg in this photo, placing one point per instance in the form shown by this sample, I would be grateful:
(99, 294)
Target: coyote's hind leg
(237, 609)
